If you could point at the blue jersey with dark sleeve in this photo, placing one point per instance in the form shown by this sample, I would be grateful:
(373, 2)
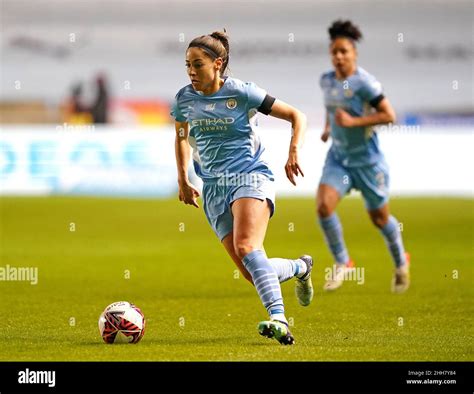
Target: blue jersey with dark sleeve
(353, 146)
(222, 129)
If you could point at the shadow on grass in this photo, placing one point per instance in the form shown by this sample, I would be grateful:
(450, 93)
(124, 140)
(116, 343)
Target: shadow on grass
(219, 341)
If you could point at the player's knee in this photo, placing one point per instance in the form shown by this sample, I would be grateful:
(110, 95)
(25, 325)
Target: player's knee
(243, 248)
(324, 208)
(379, 219)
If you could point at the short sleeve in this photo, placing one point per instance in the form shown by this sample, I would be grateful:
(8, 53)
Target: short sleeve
(321, 81)
(325, 80)
(370, 89)
(176, 112)
(255, 95)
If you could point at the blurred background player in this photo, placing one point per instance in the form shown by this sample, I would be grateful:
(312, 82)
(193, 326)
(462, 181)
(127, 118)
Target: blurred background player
(354, 160)
(77, 112)
(100, 106)
(97, 111)
(215, 114)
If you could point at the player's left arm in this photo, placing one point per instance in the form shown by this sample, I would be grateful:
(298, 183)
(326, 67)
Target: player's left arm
(298, 121)
(384, 114)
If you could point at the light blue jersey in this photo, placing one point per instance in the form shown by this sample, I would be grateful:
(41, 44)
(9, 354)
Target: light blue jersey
(226, 148)
(355, 146)
(222, 129)
(355, 161)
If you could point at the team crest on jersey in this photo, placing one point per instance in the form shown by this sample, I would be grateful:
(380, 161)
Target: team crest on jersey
(348, 93)
(231, 103)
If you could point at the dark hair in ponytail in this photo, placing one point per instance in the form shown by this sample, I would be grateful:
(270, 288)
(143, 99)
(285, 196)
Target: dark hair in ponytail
(344, 29)
(214, 45)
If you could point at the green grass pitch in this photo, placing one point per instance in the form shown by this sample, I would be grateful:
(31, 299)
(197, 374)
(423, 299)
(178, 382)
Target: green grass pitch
(196, 309)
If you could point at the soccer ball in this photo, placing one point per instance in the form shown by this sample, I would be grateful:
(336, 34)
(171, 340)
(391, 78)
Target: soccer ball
(122, 322)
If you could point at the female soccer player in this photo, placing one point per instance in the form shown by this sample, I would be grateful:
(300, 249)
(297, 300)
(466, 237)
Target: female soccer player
(354, 159)
(215, 115)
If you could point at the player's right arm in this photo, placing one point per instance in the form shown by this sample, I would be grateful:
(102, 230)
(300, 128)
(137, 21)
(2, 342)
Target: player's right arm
(187, 192)
(327, 129)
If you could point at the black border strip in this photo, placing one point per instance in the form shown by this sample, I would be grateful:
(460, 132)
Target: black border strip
(238, 377)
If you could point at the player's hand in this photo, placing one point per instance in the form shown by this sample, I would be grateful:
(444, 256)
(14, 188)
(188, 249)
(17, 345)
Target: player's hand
(343, 119)
(188, 193)
(325, 135)
(292, 166)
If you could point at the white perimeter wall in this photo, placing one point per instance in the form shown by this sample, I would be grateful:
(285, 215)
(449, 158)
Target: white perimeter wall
(131, 162)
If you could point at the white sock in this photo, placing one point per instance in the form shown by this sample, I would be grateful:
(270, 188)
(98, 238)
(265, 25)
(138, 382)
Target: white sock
(302, 268)
(280, 317)
(287, 269)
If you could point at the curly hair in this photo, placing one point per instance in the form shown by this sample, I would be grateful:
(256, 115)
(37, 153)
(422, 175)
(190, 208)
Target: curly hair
(345, 29)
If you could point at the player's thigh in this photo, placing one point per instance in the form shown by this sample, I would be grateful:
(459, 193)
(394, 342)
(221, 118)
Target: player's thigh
(335, 182)
(373, 183)
(228, 243)
(251, 216)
